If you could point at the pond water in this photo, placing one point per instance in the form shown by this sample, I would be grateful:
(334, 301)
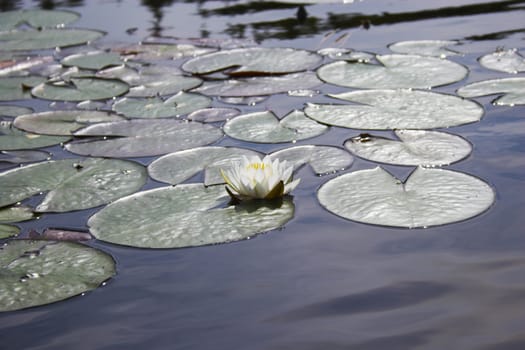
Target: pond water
(321, 281)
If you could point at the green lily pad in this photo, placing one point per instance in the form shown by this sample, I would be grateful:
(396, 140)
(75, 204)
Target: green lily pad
(46, 39)
(413, 147)
(429, 197)
(36, 18)
(254, 60)
(512, 89)
(18, 157)
(7, 231)
(322, 159)
(18, 88)
(62, 122)
(164, 85)
(42, 272)
(211, 115)
(16, 214)
(436, 48)
(14, 111)
(12, 138)
(72, 184)
(265, 127)
(175, 168)
(150, 108)
(259, 86)
(139, 138)
(93, 60)
(80, 89)
(393, 72)
(185, 216)
(396, 109)
(508, 61)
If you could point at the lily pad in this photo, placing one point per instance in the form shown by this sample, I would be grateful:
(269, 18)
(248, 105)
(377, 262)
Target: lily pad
(259, 86)
(36, 18)
(156, 51)
(175, 168)
(396, 109)
(253, 61)
(436, 48)
(150, 108)
(265, 127)
(80, 89)
(165, 85)
(211, 115)
(7, 231)
(508, 61)
(18, 157)
(393, 72)
(512, 89)
(414, 147)
(14, 111)
(322, 159)
(62, 122)
(429, 197)
(12, 138)
(139, 138)
(337, 53)
(93, 60)
(72, 184)
(18, 88)
(185, 216)
(41, 272)
(16, 214)
(46, 39)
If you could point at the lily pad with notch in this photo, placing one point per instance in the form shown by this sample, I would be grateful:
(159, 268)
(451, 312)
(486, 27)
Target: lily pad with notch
(322, 159)
(12, 138)
(93, 60)
(511, 89)
(508, 61)
(18, 88)
(80, 89)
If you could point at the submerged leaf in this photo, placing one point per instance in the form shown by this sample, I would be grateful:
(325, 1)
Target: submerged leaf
(512, 89)
(429, 197)
(51, 234)
(184, 216)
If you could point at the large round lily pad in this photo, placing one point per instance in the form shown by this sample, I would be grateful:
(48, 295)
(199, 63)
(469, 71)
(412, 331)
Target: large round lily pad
(265, 127)
(184, 216)
(36, 18)
(139, 138)
(72, 184)
(46, 39)
(42, 272)
(62, 122)
(18, 88)
(512, 89)
(396, 109)
(93, 60)
(508, 61)
(436, 48)
(80, 89)
(429, 197)
(174, 168)
(393, 72)
(414, 147)
(12, 138)
(254, 60)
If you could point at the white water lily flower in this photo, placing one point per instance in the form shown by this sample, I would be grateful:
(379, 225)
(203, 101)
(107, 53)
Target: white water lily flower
(253, 178)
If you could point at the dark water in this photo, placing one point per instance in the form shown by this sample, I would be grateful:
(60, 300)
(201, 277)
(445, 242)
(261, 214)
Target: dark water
(321, 282)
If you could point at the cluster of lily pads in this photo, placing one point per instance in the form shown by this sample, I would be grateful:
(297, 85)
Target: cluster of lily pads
(158, 99)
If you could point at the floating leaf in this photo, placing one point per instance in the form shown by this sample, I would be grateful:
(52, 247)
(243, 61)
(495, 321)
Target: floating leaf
(265, 127)
(254, 60)
(50, 234)
(428, 197)
(177, 105)
(211, 115)
(154, 51)
(41, 272)
(36, 18)
(184, 216)
(17, 157)
(12, 138)
(17, 88)
(62, 122)
(165, 85)
(322, 159)
(512, 89)
(14, 111)
(259, 86)
(92, 60)
(508, 61)
(15, 214)
(414, 147)
(80, 89)
(7, 231)
(393, 72)
(72, 184)
(436, 48)
(46, 39)
(175, 168)
(396, 109)
(345, 54)
(139, 138)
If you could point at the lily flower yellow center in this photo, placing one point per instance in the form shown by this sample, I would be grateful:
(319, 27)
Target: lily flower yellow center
(253, 178)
